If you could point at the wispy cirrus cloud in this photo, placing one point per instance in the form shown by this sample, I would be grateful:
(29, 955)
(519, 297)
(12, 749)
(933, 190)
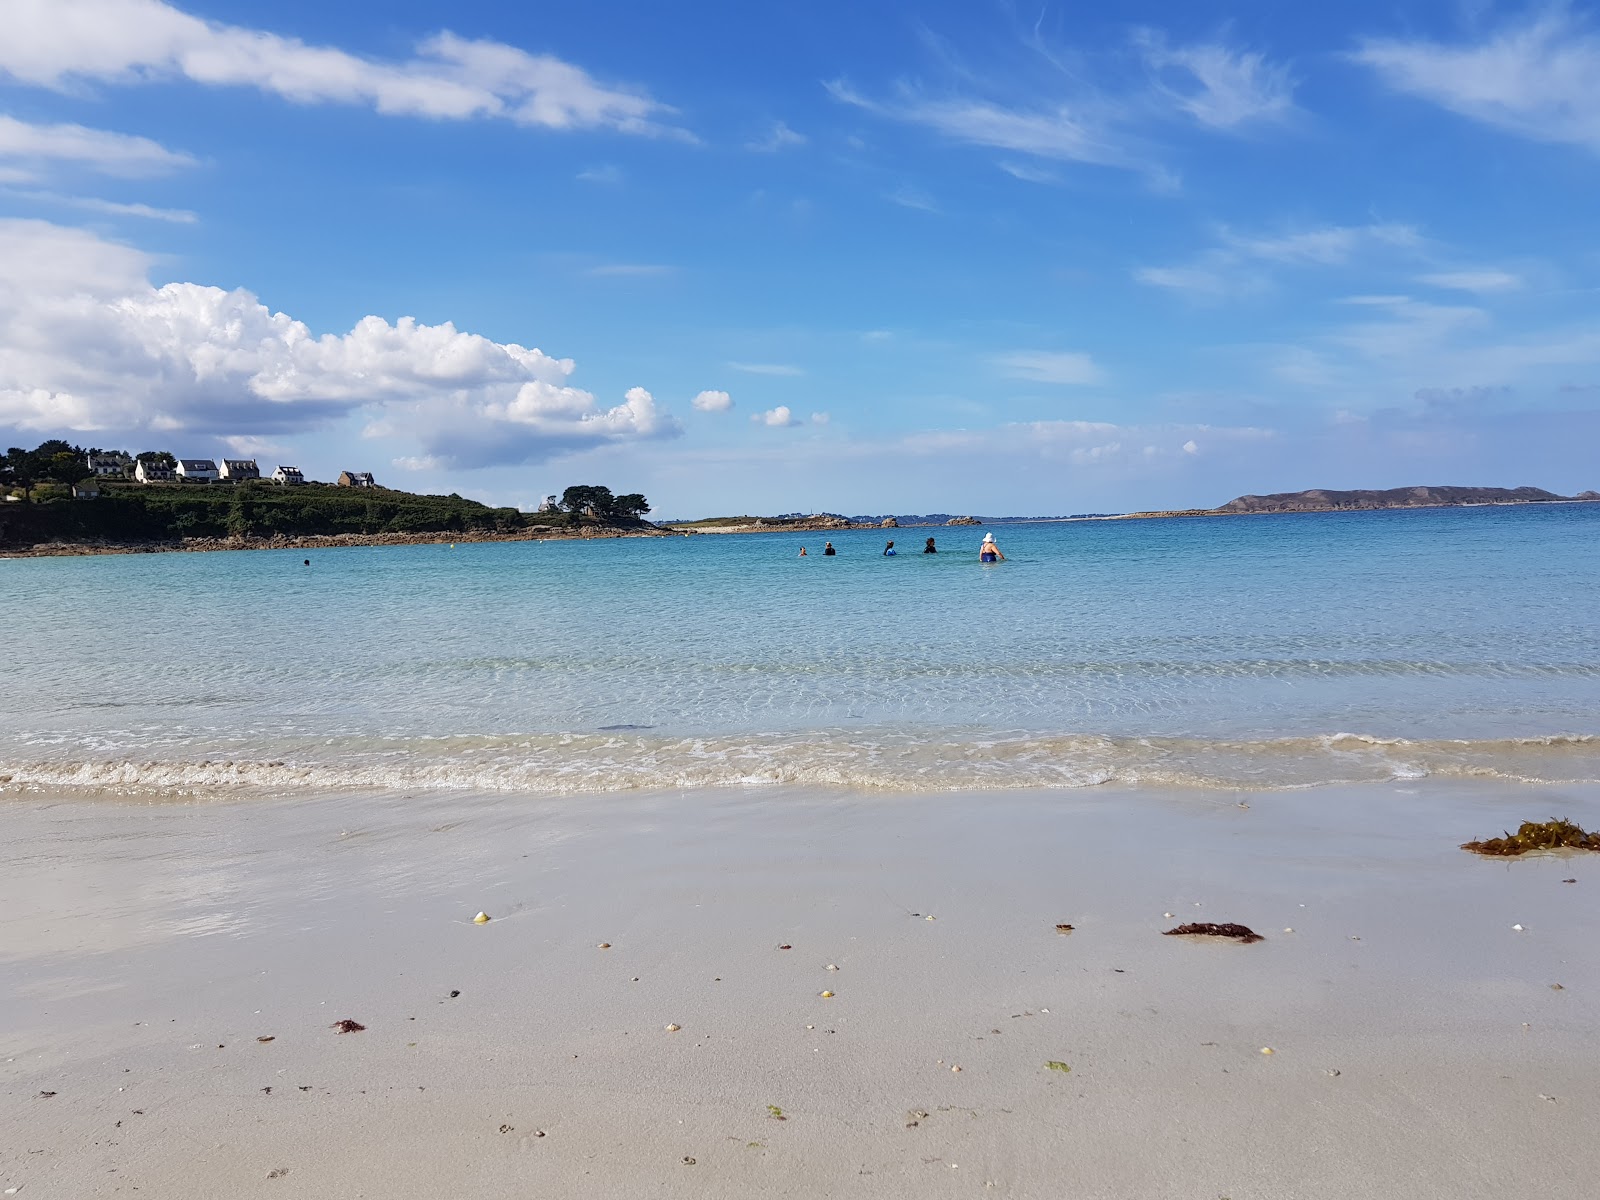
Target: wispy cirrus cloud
(629, 271)
(56, 43)
(1486, 279)
(787, 370)
(1535, 78)
(112, 208)
(1241, 264)
(1220, 86)
(27, 150)
(1049, 366)
(778, 137)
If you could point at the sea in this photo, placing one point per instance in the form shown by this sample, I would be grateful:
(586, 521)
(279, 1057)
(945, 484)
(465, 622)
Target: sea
(1249, 653)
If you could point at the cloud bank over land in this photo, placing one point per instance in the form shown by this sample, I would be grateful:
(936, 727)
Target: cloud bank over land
(59, 43)
(92, 347)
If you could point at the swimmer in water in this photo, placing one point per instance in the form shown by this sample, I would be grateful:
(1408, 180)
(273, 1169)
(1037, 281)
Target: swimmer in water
(930, 548)
(827, 550)
(888, 551)
(989, 552)
(802, 551)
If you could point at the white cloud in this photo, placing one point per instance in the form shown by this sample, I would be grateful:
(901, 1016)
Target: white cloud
(628, 271)
(91, 345)
(1191, 447)
(26, 149)
(780, 369)
(907, 196)
(1216, 85)
(53, 43)
(1535, 79)
(1047, 366)
(779, 137)
(606, 173)
(820, 418)
(780, 416)
(178, 216)
(712, 401)
(1234, 267)
(1027, 173)
(1487, 280)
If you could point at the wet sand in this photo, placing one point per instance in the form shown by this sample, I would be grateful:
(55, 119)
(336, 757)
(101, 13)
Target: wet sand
(1420, 1047)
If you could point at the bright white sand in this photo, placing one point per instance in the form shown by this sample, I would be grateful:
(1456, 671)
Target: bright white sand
(144, 948)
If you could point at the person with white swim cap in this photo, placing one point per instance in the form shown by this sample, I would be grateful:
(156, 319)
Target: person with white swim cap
(990, 552)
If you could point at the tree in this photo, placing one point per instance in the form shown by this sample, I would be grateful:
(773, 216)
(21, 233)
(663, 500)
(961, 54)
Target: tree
(588, 497)
(157, 458)
(632, 506)
(61, 462)
(18, 469)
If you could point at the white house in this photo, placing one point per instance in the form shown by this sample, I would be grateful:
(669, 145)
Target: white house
(288, 475)
(549, 504)
(197, 470)
(110, 462)
(356, 479)
(150, 473)
(238, 469)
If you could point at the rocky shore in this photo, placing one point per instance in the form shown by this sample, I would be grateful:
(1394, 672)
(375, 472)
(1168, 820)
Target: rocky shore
(329, 541)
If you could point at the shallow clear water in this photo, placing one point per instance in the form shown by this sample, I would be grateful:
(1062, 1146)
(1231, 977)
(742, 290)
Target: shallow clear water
(1254, 652)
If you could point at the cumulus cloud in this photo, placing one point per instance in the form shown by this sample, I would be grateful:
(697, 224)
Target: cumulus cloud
(54, 43)
(92, 346)
(712, 401)
(1535, 78)
(27, 150)
(1047, 366)
(1217, 85)
(777, 417)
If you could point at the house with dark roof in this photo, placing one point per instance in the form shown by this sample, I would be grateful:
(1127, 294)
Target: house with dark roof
(288, 476)
(197, 470)
(109, 462)
(237, 469)
(356, 479)
(146, 472)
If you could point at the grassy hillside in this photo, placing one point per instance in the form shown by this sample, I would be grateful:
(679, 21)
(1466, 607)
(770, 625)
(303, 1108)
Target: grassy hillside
(129, 512)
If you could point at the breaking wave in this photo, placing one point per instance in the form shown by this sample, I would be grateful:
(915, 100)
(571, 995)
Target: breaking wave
(899, 762)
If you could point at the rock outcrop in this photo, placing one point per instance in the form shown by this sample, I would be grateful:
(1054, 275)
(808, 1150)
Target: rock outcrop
(963, 521)
(888, 523)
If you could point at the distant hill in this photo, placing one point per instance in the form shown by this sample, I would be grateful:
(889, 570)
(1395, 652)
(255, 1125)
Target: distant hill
(1329, 500)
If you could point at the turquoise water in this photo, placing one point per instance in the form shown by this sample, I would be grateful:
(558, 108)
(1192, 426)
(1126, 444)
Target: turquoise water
(1251, 652)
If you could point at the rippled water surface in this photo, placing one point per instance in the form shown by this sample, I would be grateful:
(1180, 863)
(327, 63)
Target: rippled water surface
(1258, 652)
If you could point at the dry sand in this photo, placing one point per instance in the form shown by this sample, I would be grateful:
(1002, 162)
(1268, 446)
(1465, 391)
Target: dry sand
(1420, 1047)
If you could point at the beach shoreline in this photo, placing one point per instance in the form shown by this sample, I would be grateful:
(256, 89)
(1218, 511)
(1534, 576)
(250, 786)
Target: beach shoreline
(1420, 1044)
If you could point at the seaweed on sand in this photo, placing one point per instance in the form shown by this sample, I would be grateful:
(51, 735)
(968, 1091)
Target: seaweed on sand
(1531, 835)
(1241, 933)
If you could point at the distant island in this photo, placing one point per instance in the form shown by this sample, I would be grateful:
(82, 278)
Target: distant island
(1330, 500)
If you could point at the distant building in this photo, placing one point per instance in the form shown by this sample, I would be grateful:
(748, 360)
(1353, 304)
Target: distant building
(549, 504)
(88, 489)
(110, 462)
(151, 473)
(288, 476)
(197, 470)
(356, 479)
(238, 469)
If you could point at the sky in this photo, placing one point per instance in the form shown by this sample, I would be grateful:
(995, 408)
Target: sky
(848, 256)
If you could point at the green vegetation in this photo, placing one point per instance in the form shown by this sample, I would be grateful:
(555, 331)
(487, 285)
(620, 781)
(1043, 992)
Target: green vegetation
(1055, 1065)
(595, 501)
(1530, 835)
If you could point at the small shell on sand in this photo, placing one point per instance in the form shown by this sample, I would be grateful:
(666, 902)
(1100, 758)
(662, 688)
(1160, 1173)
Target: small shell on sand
(930, 918)
(481, 919)
(674, 1028)
(1268, 1050)
(605, 945)
(955, 1068)
(827, 995)
(831, 967)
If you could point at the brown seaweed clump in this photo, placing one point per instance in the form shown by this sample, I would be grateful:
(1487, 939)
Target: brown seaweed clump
(348, 1026)
(1242, 933)
(1530, 835)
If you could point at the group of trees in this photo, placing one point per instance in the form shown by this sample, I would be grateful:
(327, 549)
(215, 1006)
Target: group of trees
(590, 500)
(58, 461)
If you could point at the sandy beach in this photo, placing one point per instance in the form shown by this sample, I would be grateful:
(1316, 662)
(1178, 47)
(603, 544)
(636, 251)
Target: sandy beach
(1422, 1046)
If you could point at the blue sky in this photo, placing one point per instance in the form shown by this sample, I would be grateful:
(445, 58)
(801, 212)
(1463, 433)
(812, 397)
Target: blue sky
(757, 257)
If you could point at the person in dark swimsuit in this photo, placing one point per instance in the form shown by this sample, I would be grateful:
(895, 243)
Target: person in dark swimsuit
(930, 548)
(828, 551)
(888, 551)
(989, 552)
